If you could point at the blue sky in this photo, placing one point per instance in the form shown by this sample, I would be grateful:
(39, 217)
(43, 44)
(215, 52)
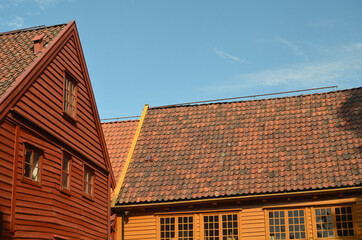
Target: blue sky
(163, 52)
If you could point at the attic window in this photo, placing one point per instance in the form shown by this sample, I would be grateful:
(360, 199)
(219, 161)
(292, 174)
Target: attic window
(70, 90)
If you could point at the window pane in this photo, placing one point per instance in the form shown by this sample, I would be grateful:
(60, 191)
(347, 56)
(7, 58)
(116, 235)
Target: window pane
(230, 226)
(65, 180)
(344, 221)
(27, 170)
(86, 181)
(278, 231)
(31, 168)
(66, 164)
(211, 233)
(29, 156)
(167, 228)
(326, 228)
(185, 228)
(69, 96)
(35, 174)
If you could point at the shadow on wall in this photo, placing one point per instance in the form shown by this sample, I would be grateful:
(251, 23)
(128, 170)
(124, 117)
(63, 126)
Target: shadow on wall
(1, 225)
(351, 112)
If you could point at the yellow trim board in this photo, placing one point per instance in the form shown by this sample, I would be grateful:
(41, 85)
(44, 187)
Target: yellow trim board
(129, 157)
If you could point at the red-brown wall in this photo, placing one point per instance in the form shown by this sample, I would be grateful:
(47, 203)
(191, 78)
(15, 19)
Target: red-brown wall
(46, 212)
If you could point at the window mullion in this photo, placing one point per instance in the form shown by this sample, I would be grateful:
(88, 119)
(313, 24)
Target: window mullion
(176, 228)
(32, 164)
(334, 221)
(286, 224)
(220, 228)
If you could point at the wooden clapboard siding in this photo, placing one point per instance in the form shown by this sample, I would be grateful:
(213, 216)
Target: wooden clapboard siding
(72, 215)
(142, 224)
(43, 102)
(140, 227)
(253, 223)
(359, 216)
(7, 138)
(36, 119)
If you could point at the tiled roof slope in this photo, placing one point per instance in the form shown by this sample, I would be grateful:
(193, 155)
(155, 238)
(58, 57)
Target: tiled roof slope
(250, 147)
(16, 52)
(119, 136)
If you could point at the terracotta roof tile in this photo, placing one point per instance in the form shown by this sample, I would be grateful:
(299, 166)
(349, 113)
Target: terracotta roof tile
(16, 52)
(119, 136)
(250, 147)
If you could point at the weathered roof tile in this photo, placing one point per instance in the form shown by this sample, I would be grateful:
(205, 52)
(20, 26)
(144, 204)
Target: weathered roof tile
(16, 51)
(249, 147)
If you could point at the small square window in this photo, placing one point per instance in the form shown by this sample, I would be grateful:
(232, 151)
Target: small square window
(70, 88)
(32, 164)
(88, 181)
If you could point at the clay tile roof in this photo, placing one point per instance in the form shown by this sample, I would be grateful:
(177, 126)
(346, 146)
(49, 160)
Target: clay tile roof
(119, 136)
(264, 146)
(16, 51)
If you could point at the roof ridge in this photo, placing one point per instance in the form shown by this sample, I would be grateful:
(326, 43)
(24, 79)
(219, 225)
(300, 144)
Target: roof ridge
(120, 121)
(31, 29)
(251, 100)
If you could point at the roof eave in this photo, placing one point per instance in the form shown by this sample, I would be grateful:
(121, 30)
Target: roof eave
(236, 198)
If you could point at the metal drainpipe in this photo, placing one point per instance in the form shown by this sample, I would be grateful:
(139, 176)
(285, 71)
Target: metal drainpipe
(123, 215)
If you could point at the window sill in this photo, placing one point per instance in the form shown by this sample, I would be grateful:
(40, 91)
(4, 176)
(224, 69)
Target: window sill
(31, 182)
(69, 118)
(89, 197)
(65, 191)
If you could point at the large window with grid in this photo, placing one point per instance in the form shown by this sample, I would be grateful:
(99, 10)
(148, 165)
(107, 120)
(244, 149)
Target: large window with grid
(334, 222)
(330, 222)
(180, 227)
(287, 224)
(207, 226)
(221, 226)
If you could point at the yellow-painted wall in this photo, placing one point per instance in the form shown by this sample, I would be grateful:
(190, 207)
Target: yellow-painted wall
(142, 224)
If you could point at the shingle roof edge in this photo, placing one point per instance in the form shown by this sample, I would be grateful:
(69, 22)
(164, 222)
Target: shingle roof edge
(31, 29)
(261, 99)
(258, 195)
(113, 122)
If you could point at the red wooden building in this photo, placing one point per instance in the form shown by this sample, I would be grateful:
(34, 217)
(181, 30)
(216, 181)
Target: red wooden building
(55, 173)
(269, 169)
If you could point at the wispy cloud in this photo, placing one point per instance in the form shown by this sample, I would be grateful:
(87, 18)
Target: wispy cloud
(297, 51)
(343, 70)
(45, 3)
(352, 47)
(17, 22)
(326, 23)
(226, 55)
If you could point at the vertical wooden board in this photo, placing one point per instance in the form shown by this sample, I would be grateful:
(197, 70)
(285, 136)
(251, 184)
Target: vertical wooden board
(359, 216)
(309, 222)
(7, 139)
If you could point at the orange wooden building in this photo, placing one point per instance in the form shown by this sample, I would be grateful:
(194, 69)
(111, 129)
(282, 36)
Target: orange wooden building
(55, 173)
(279, 168)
